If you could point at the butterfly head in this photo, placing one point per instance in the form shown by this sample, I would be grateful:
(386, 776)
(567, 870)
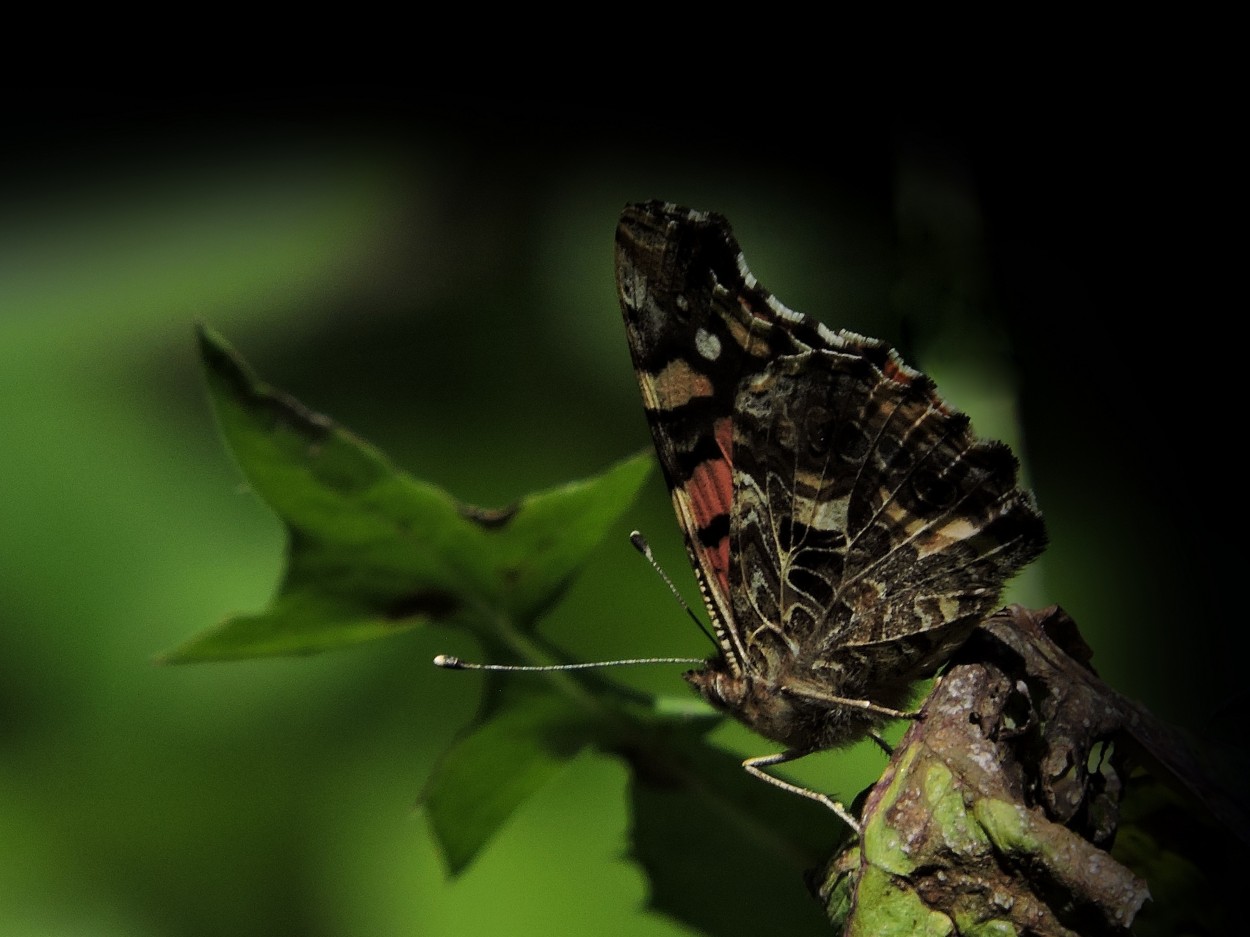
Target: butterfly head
(715, 683)
(759, 704)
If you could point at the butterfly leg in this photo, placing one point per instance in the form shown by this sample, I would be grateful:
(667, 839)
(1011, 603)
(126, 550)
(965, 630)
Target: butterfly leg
(881, 743)
(755, 766)
(867, 705)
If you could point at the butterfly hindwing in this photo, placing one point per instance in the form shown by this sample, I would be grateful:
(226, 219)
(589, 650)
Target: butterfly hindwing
(842, 539)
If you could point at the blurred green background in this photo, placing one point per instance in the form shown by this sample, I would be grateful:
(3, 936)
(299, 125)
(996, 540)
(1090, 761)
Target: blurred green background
(438, 277)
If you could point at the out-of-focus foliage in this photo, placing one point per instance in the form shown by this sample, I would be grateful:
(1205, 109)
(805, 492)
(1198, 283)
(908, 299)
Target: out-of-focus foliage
(372, 550)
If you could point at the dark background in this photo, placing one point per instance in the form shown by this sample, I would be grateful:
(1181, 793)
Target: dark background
(437, 275)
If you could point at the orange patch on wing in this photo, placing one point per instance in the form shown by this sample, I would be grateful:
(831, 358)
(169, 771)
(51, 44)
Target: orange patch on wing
(678, 384)
(710, 492)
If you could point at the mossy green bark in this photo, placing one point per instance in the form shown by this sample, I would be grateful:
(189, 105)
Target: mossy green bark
(957, 835)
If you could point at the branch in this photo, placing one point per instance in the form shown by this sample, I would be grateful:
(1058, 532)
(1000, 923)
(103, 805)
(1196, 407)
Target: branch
(999, 808)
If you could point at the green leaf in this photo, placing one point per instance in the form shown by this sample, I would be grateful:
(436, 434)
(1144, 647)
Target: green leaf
(372, 550)
(495, 766)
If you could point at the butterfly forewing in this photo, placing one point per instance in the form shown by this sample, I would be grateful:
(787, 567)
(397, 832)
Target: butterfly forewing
(698, 324)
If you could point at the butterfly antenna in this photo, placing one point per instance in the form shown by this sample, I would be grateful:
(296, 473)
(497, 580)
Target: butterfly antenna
(641, 545)
(449, 662)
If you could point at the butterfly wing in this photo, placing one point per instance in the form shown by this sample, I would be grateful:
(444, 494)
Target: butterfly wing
(698, 325)
(829, 498)
(867, 517)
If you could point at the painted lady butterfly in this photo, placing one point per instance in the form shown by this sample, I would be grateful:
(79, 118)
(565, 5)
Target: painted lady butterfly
(847, 528)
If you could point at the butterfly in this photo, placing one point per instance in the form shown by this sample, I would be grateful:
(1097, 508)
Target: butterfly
(847, 529)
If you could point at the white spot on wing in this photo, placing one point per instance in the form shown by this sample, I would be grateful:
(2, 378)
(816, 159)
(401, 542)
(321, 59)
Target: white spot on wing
(707, 344)
(829, 335)
(782, 310)
(747, 276)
